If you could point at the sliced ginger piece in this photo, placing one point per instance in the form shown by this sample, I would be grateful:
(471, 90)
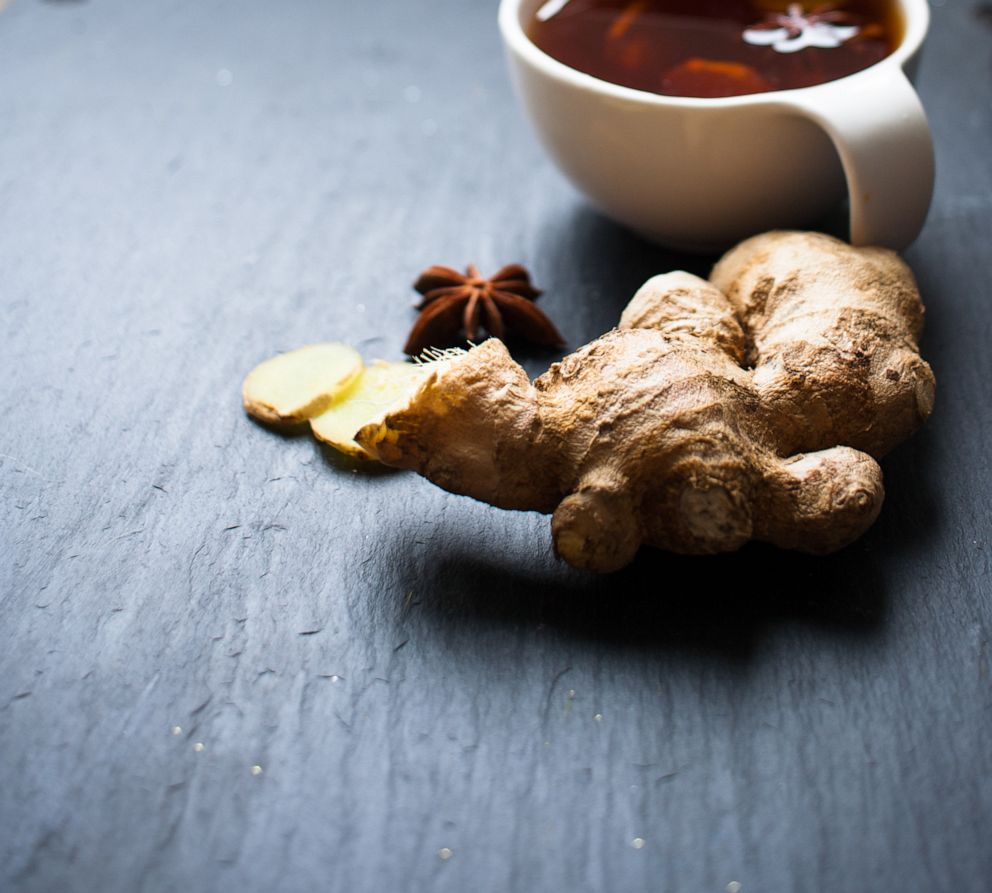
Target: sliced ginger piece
(298, 385)
(380, 386)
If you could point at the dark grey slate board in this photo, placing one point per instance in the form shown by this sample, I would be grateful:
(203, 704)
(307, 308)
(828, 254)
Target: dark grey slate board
(189, 186)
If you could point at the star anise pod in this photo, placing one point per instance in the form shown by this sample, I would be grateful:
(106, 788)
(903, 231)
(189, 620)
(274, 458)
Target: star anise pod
(454, 302)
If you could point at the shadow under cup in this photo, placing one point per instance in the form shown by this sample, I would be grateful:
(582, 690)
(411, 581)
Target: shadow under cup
(701, 174)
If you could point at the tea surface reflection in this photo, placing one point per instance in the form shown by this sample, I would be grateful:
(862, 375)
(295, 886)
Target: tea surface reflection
(716, 48)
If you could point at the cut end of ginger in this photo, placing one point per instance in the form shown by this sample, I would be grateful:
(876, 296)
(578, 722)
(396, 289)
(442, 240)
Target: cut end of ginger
(380, 387)
(296, 386)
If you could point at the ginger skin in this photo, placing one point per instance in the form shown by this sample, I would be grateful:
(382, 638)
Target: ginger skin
(746, 407)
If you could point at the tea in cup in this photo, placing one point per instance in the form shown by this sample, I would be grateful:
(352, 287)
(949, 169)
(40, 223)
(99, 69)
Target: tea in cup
(700, 122)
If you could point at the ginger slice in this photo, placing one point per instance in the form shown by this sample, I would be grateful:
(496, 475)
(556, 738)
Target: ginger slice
(295, 386)
(381, 386)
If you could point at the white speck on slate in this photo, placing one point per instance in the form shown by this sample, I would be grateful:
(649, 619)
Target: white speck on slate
(224, 77)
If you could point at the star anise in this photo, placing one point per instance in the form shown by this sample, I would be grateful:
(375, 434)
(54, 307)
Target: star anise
(454, 302)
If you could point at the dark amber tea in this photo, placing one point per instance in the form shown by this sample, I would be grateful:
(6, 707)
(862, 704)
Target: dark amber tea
(712, 48)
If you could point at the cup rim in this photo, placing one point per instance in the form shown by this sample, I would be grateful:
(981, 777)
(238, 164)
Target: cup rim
(916, 15)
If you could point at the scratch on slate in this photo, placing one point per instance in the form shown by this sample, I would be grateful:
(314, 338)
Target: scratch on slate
(199, 709)
(551, 691)
(159, 487)
(311, 632)
(132, 713)
(401, 644)
(192, 561)
(20, 466)
(18, 697)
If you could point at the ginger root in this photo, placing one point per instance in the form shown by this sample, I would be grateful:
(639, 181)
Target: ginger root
(749, 406)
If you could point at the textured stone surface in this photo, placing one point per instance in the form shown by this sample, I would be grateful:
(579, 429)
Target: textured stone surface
(435, 704)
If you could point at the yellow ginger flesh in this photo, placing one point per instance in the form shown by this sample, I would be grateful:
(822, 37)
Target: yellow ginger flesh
(295, 386)
(379, 387)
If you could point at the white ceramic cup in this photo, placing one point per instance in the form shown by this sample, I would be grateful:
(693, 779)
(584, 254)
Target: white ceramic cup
(701, 174)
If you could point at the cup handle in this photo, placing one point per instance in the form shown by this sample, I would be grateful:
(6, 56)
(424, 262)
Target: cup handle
(881, 133)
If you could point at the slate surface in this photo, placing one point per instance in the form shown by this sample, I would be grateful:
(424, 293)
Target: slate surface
(187, 187)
